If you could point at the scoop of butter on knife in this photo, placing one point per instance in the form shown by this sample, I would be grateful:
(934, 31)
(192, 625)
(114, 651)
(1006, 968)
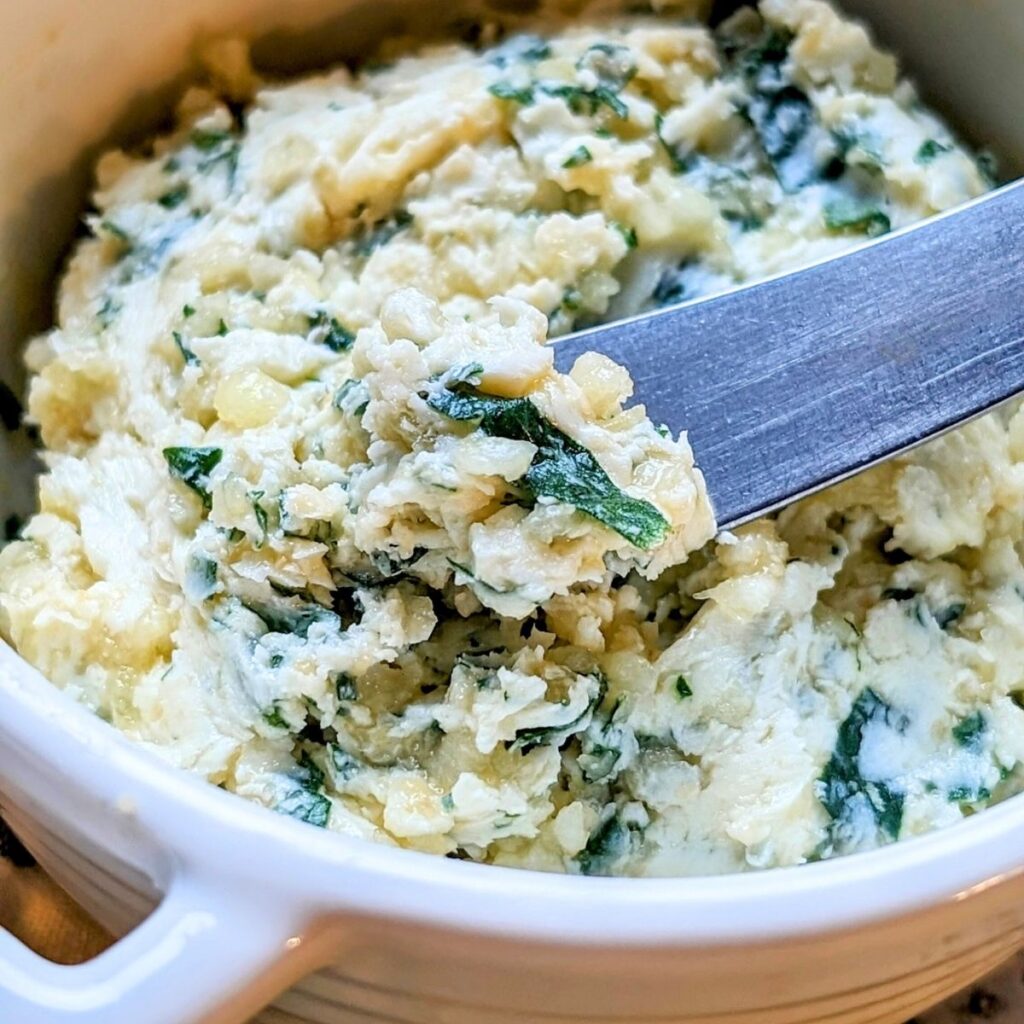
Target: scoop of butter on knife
(794, 383)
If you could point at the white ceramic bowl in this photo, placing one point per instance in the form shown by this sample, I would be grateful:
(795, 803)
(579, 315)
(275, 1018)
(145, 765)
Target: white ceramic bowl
(253, 908)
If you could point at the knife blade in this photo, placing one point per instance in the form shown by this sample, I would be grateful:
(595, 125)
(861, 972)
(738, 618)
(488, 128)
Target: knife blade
(789, 385)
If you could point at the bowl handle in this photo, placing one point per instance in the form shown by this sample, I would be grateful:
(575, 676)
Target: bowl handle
(202, 957)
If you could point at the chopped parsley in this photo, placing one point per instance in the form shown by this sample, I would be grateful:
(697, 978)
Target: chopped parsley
(682, 688)
(602, 747)
(109, 308)
(521, 94)
(174, 198)
(352, 398)
(345, 764)
(670, 288)
(345, 687)
(587, 101)
(191, 359)
(930, 150)
(782, 114)
(562, 469)
(857, 215)
(326, 330)
(274, 718)
(860, 148)
(579, 156)
(306, 801)
(628, 234)
(969, 732)
(193, 466)
(116, 232)
(528, 739)
(950, 614)
(843, 789)
(216, 148)
(261, 516)
(572, 299)
(680, 162)
(293, 617)
(139, 257)
(968, 794)
(201, 582)
(612, 840)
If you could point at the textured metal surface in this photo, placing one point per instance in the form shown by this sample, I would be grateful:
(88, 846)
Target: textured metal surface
(795, 383)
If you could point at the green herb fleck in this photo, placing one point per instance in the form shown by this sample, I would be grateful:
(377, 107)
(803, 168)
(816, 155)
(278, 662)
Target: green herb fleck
(528, 739)
(988, 168)
(930, 150)
(294, 617)
(108, 227)
(612, 840)
(345, 687)
(572, 299)
(174, 198)
(261, 516)
(352, 398)
(950, 614)
(202, 577)
(274, 718)
(187, 311)
(562, 469)
(782, 114)
(680, 162)
(856, 215)
(191, 359)
(588, 101)
(523, 95)
(345, 764)
(601, 748)
(969, 732)
(193, 466)
(217, 147)
(968, 794)
(580, 155)
(305, 801)
(670, 289)
(326, 330)
(683, 689)
(108, 310)
(628, 235)
(842, 788)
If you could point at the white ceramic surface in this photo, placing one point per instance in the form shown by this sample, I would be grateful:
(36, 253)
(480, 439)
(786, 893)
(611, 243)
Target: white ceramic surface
(255, 908)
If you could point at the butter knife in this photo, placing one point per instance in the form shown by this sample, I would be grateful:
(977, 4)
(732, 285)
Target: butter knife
(790, 385)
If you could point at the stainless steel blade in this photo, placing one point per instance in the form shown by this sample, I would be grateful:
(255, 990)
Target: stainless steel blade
(793, 384)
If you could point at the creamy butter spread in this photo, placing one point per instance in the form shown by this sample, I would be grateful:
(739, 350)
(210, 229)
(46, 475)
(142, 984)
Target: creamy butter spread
(322, 524)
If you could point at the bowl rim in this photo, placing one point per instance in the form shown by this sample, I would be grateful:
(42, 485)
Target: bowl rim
(208, 830)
